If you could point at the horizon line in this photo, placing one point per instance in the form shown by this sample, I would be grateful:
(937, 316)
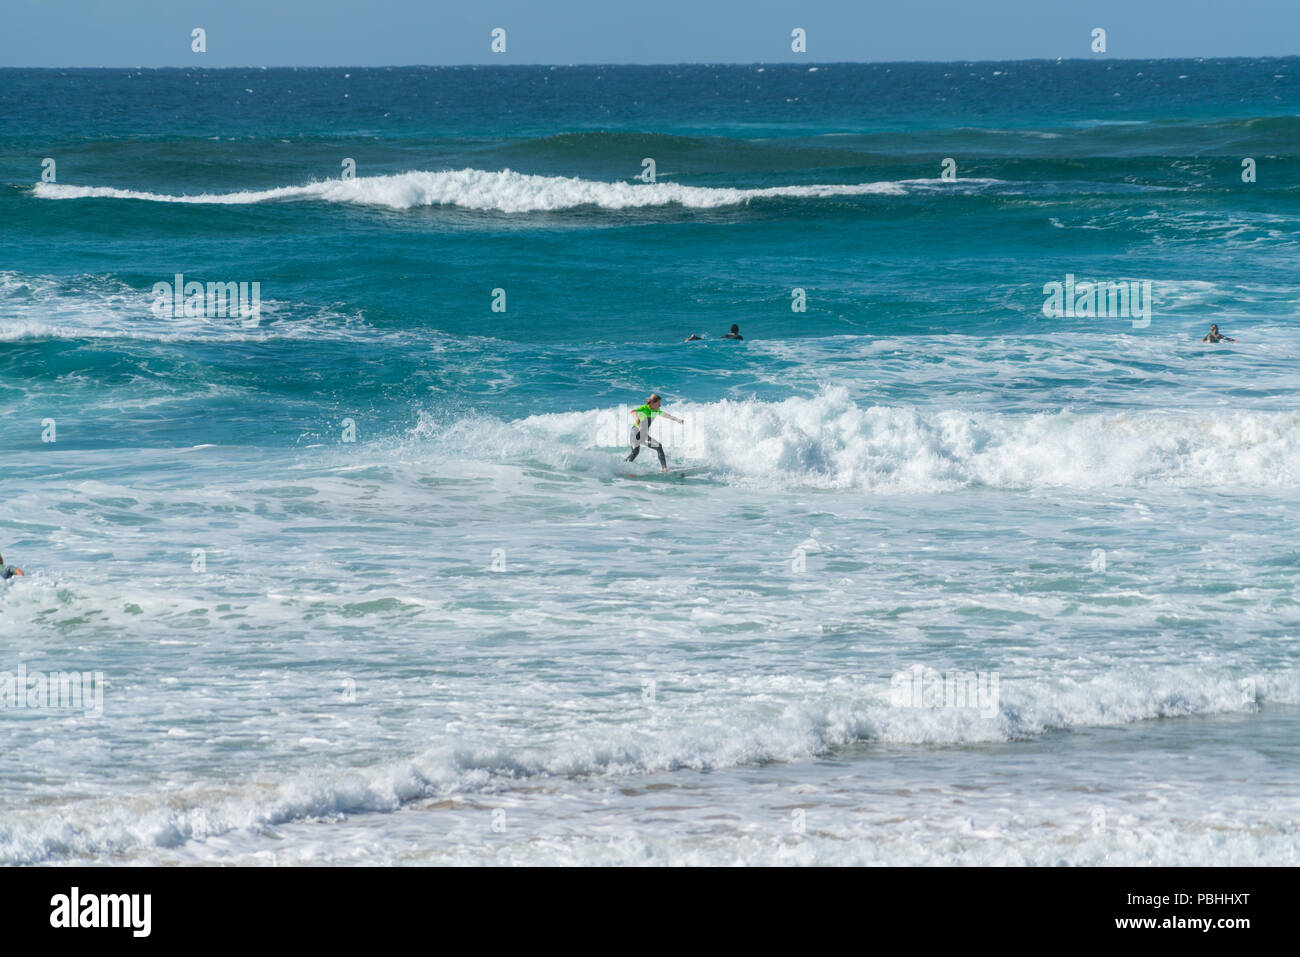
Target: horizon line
(708, 63)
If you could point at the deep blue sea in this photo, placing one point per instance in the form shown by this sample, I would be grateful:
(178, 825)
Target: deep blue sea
(368, 579)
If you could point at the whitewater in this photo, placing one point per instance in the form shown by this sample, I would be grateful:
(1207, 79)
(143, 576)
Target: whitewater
(504, 191)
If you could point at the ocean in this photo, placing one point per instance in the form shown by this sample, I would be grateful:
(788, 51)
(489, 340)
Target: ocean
(358, 575)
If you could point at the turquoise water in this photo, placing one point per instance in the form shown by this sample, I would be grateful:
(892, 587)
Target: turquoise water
(367, 579)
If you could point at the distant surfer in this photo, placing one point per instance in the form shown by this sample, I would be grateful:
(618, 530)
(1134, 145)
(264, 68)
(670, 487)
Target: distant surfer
(9, 571)
(733, 334)
(1215, 336)
(642, 416)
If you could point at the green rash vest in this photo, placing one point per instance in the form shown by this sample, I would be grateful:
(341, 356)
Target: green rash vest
(645, 412)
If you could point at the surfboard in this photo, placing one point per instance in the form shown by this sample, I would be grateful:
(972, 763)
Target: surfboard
(670, 475)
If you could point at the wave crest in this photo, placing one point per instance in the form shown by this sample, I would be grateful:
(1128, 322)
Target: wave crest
(504, 191)
(829, 441)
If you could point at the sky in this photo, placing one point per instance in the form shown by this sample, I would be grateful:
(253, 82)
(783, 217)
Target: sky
(155, 33)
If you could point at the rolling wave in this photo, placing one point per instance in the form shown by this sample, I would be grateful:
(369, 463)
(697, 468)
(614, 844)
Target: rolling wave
(830, 442)
(724, 731)
(504, 191)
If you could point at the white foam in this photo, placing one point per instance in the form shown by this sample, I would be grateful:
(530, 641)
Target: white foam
(725, 722)
(42, 307)
(830, 441)
(504, 190)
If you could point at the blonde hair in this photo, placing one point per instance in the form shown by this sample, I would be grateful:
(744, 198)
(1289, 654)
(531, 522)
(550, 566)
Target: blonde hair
(654, 397)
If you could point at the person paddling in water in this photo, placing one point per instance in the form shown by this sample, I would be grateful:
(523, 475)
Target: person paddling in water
(641, 418)
(733, 334)
(8, 571)
(1215, 335)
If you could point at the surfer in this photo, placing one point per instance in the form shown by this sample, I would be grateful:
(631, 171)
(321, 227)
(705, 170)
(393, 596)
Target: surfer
(9, 571)
(642, 416)
(1215, 336)
(733, 334)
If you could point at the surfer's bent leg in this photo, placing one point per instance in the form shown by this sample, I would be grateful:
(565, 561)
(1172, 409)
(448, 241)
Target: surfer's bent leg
(663, 460)
(636, 444)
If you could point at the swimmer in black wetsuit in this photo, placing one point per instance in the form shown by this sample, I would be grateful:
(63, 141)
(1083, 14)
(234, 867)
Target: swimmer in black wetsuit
(734, 333)
(1215, 336)
(9, 571)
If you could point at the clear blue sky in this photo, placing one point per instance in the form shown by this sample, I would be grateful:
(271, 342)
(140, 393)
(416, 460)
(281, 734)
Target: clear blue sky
(58, 33)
